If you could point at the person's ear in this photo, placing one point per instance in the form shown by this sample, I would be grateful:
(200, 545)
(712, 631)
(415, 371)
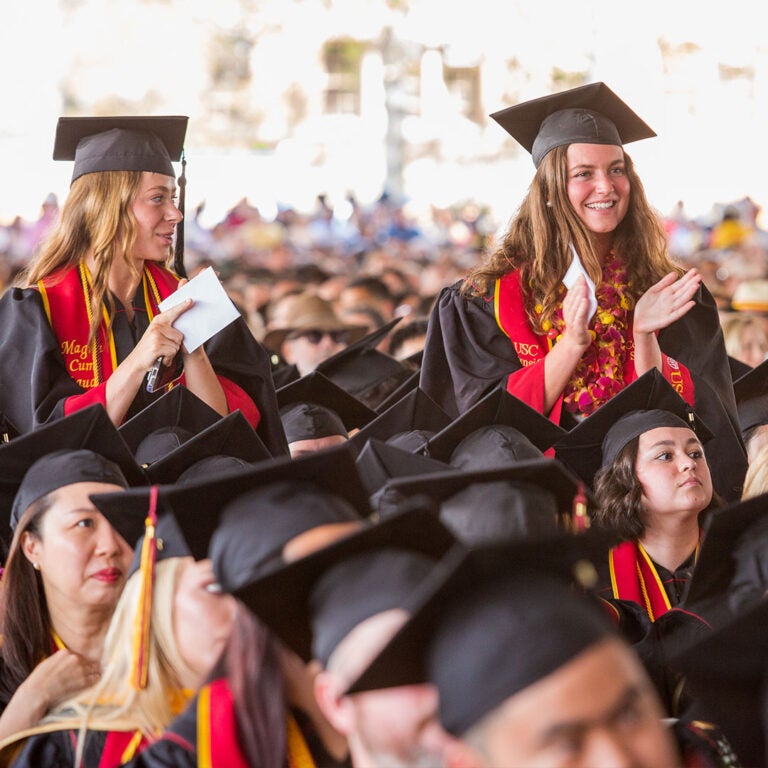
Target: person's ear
(30, 546)
(336, 707)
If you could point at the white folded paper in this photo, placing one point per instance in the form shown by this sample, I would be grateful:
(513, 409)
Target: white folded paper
(570, 277)
(212, 309)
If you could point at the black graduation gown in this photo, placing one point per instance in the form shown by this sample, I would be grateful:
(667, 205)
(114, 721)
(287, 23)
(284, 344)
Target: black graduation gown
(466, 355)
(34, 382)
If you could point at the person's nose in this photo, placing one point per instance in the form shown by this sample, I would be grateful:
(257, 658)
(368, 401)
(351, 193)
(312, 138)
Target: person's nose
(109, 541)
(173, 213)
(603, 182)
(608, 748)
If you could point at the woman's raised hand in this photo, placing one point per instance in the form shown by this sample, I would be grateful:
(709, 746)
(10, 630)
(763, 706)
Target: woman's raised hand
(575, 311)
(666, 301)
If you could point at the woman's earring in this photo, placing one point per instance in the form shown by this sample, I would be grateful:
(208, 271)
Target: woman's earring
(549, 203)
(36, 566)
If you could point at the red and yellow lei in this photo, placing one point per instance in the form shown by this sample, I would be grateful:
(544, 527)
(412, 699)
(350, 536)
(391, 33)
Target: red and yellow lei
(599, 374)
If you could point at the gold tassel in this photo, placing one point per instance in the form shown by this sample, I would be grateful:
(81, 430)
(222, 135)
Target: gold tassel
(141, 626)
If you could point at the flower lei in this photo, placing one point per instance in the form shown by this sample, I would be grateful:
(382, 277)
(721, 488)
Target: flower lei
(599, 374)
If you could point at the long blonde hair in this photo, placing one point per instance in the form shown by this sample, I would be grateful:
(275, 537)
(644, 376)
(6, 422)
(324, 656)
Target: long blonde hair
(539, 237)
(96, 218)
(113, 703)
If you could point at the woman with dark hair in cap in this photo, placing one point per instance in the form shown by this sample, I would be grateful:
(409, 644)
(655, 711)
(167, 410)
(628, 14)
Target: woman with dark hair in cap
(654, 484)
(85, 326)
(580, 296)
(66, 567)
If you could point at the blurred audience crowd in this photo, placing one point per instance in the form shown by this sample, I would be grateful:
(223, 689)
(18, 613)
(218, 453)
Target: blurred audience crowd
(379, 262)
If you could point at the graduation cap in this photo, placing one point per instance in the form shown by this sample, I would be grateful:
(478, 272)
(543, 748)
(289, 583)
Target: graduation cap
(174, 417)
(498, 429)
(544, 474)
(360, 368)
(7, 430)
(490, 622)
(231, 437)
(314, 602)
(416, 416)
(315, 407)
(126, 143)
(588, 114)
(81, 447)
(199, 506)
(648, 402)
(379, 462)
(751, 393)
(725, 682)
(398, 394)
(731, 567)
(737, 368)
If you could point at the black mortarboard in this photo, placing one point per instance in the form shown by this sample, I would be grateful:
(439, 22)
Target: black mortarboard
(544, 473)
(498, 429)
(732, 567)
(230, 436)
(310, 421)
(361, 369)
(415, 412)
(751, 392)
(82, 447)
(589, 114)
(379, 462)
(737, 368)
(177, 408)
(199, 506)
(314, 602)
(649, 401)
(491, 622)
(7, 430)
(365, 373)
(120, 143)
(317, 388)
(725, 682)
(212, 467)
(398, 394)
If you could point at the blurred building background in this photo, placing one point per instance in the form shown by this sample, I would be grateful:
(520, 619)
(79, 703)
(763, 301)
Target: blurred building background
(289, 99)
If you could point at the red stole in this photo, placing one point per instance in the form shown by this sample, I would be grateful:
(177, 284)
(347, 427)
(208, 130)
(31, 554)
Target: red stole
(531, 348)
(634, 577)
(120, 747)
(218, 745)
(66, 298)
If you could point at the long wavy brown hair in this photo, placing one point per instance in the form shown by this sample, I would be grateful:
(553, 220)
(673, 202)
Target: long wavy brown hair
(538, 238)
(95, 218)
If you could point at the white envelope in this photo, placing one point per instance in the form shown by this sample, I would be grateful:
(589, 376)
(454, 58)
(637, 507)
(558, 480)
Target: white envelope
(570, 277)
(212, 309)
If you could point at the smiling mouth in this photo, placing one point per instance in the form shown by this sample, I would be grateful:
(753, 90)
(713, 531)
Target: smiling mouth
(601, 206)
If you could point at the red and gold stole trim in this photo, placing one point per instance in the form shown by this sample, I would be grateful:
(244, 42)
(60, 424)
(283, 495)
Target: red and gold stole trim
(66, 298)
(120, 747)
(298, 755)
(217, 741)
(509, 311)
(634, 577)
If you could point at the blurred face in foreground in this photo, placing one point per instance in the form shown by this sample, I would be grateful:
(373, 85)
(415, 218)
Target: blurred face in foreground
(388, 728)
(599, 709)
